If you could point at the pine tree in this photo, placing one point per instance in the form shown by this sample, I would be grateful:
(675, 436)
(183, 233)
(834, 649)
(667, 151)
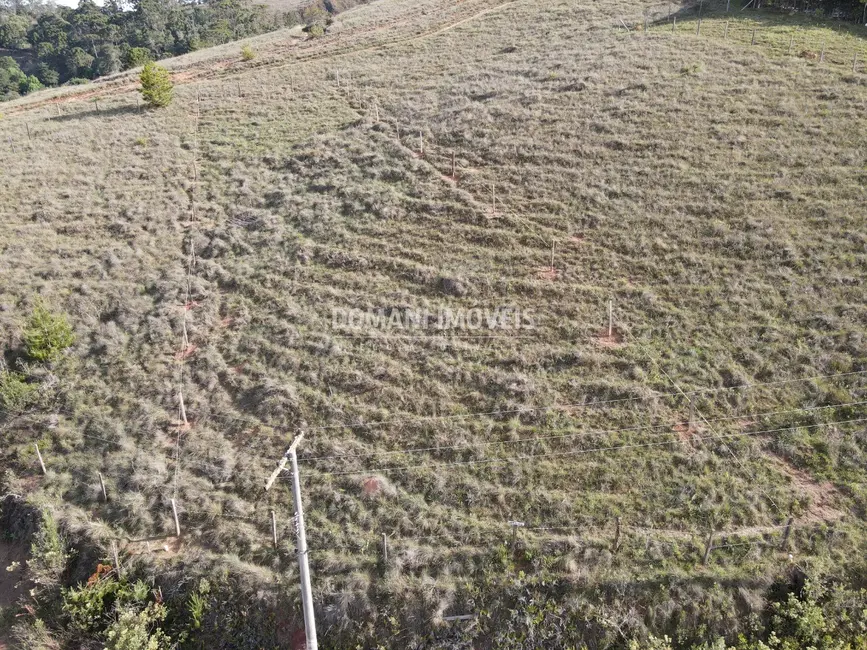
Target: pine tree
(156, 85)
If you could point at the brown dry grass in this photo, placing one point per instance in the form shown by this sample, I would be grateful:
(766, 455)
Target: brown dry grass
(715, 191)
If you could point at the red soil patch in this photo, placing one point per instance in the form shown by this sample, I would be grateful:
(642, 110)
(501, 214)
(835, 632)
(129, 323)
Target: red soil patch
(616, 339)
(227, 322)
(824, 497)
(577, 239)
(191, 305)
(684, 432)
(371, 486)
(547, 273)
(187, 353)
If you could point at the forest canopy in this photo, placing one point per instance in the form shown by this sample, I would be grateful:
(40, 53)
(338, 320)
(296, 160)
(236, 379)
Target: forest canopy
(44, 45)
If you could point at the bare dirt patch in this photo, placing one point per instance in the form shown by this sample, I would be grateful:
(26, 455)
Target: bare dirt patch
(12, 587)
(824, 497)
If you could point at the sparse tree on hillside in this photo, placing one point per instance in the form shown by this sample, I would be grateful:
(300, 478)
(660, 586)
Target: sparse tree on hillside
(156, 85)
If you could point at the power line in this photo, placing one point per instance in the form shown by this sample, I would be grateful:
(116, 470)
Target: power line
(704, 419)
(576, 435)
(578, 452)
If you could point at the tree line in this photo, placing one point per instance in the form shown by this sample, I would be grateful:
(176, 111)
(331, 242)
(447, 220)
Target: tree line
(45, 45)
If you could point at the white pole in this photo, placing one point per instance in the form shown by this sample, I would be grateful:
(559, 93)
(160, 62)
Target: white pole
(41, 462)
(303, 565)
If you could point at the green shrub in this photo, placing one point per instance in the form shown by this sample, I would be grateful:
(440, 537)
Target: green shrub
(316, 30)
(156, 85)
(48, 554)
(139, 630)
(247, 53)
(15, 393)
(47, 335)
(116, 610)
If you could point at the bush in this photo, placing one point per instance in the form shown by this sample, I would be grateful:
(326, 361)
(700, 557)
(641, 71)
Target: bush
(156, 85)
(15, 393)
(316, 30)
(117, 610)
(47, 335)
(247, 53)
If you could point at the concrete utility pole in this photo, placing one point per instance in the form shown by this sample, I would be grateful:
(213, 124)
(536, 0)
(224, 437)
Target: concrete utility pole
(303, 565)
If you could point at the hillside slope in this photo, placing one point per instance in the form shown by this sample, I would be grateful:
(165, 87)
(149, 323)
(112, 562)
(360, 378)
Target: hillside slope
(546, 156)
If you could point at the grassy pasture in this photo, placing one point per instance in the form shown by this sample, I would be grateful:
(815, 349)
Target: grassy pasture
(712, 189)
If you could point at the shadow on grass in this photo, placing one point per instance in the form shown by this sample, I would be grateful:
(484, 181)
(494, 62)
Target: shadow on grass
(114, 111)
(764, 18)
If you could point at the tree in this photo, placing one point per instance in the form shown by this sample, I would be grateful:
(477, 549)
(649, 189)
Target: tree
(47, 335)
(13, 32)
(137, 56)
(78, 62)
(156, 85)
(11, 77)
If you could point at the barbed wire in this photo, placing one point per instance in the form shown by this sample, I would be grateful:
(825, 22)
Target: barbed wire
(508, 459)
(668, 426)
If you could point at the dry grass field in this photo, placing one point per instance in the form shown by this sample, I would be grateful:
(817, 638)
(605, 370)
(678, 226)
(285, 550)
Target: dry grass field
(712, 189)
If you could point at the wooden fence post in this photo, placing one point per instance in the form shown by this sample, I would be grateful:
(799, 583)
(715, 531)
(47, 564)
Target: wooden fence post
(116, 559)
(102, 486)
(754, 37)
(177, 522)
(785, 543)
(855, 63)
(384, 548)
(274, 527)
(822, 55)
(183, 409)
(726, 35)
(708, 547)
(616, 546)
(41, 462)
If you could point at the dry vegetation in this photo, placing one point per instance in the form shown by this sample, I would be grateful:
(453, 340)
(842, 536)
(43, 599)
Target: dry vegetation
(713, 189)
